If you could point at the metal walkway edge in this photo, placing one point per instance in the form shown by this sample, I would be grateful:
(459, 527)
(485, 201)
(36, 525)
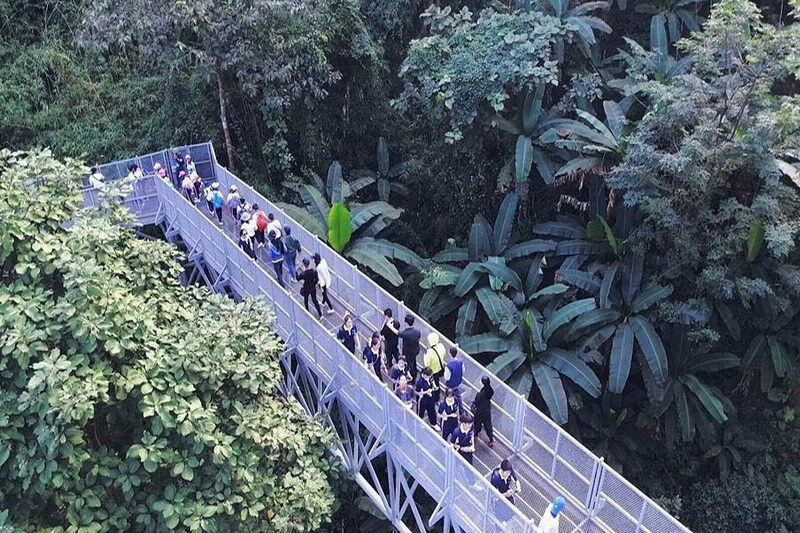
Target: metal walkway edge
(331, 383)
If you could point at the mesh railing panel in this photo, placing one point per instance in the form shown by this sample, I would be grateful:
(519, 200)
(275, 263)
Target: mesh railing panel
(568, 467)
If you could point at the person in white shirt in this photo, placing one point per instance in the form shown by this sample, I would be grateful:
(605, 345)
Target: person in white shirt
(324, 274)
(96, 179)
(248, 224)
(274, 225)
(551, 518)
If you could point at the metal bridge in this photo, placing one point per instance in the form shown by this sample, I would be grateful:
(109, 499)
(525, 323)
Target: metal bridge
(372, 423)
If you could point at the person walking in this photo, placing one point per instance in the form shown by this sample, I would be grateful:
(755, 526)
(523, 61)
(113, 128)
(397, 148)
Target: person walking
(248, 225)
(433, 359)
(197, 183)
(482, 409)
(399, 370)
(191, 168)
(233, 201)
(390, 332)
(410, 336)
(308, 275)
(348, 334)
(276, 258)
(217, 201)
(160, 171)
(551, 519)
(448, 413)
(463, 438)
(505, 480)
(405, 392)
(187, 185)
(246, 244)
(274, 225)
(242, 208)
(425, 396)
(96, 179)
(324, 280)
(292, 248)
(260, 219)
(454, 375)
(208, 195)
(372, 355)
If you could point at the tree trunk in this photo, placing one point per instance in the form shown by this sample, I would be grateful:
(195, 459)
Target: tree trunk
(223, 115)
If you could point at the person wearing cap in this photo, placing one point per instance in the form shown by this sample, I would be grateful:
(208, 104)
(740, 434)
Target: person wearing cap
(434, 359)
(248, 225)
(324, 280)
(233, 201)
(217, 201)
(551, 519)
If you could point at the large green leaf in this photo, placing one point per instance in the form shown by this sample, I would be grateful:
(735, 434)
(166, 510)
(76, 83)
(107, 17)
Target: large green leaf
(754, 350)
(532, 108)
(483, 343)
(658, 35)
(468, 278)
(713, 362)
(364, 178)
(383, 156)
(315, 202)
(619, 367)
(579, 278)
(755, 240)
(375, 262)
(568, 230)
(306, 220)
(527, 248)
(651, 345)
(384, 189)
(709, 400)
(498, 308)
(496, 267)
(466, 317)
(398, 170)
(567, 313)
(377, 225)
(684, 413)
(454, 255)
(579, 248)
(605, 286)
(535, 322)
(335, 183)
(445, 305)
(549, 383)
(363, 213)
(649, 297)
(728, 319)
(339, 227)
(479, 239)
(393, 250)
(778, 356)
(550, 290)
(632, 280)
(504, 223)
(428, 300)
(615, 117)
(591, 321)
(523, 160)
(507, 363)
(574, 368)
(535, 274)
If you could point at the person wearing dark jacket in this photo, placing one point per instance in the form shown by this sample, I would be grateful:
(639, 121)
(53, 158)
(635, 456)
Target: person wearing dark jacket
(308, 275)
(246, 244)
(482, 409)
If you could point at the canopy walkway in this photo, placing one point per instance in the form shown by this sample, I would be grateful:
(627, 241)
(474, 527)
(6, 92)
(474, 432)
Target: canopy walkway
(337, 387)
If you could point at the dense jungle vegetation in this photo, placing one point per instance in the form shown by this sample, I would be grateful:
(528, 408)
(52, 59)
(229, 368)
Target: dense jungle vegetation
(599, 200)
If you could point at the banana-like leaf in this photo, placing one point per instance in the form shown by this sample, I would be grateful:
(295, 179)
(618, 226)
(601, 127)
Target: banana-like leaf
(377, 225)
(709, 400)
(570, 365)
(566, 314)
(579, 164)
(592, 321)
(339, 232)
(549, 383)
(524, 249)
(398, 170)
(451, 255)
(532, 108)
(755, 240)
(306, 220)
(606, 138)
(544, 165)
(579, 278)
(568, 230)
(394, 251)
(651, 345)
(619, 367)
(428, 300)
(728, 319)
(593, 342)
(375, 262)
(363, 213)
(534, 320)
(466, 318)
(658, 35)
(535, 274)
(615, 117)
(684, 413)
(441, 276)
(713, 362)
(496, 267)
(504, 223)
(605, 287)
(767, 375)
(778, 356)
(550, 290)
(479, 234)
(384, 188)
(616, 247)
(468, 278)
(365, 179)
(334, 184)
(507, 363)
(634, 267)
(483, 343)
(521, 381)
(754, 350)
(445, 305)
(498, 308)
(383, 156)
(316, 203)
(579, 248)
(523, 160)
(650, 296)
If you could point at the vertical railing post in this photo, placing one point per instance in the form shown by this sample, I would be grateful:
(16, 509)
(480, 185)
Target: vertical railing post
(519, 426)
(555, 456)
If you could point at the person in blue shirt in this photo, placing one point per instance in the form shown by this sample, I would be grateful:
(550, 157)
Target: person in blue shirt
(217, 201)
(373, 355)
(405, 392)
(398, 370)
(448, 412)
(275, 253)
(463, 438)
(505, 480)
(425, 394)
(454, 375)
(348, 334)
